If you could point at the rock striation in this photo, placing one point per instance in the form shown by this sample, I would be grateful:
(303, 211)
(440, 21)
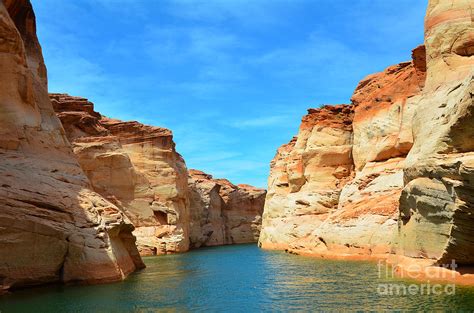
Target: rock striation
(243, 209)
(307, 176)
(53, 227)
(223, 213)
(392, 173)
(436, 205)
(134, 166)
(137, 168)
(207, 227)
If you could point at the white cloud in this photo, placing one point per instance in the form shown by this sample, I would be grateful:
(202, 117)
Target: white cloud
(264, 121)
(248, 12)
(73, 74)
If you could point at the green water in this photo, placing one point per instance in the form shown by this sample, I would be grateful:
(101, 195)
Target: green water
(236, 279)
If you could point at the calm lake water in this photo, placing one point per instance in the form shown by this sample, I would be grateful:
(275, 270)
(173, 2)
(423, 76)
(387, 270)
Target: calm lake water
(240, 278)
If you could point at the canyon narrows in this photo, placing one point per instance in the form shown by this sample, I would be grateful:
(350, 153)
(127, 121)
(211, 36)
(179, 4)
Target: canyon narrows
(137, 168)
(391, 174)
(82, 196)
(388, 176)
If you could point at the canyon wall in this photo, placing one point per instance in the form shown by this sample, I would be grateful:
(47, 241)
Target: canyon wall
(395, 173)
(223, 213)
(134, 166)
(437, 201)
(137, 168)
(307, 176)
(53, 227)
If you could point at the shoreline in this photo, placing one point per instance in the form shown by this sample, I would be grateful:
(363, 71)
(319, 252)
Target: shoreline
(403, 267)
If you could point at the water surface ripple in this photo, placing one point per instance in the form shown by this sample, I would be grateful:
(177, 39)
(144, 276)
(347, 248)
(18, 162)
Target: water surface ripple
(240, 278)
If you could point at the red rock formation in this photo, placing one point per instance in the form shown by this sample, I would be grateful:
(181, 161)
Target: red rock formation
(136, 167)
(384, 104)
(412, 151)
(307, 176)
(363, 184)
(223, 213)
(207, 221)
(53, 227)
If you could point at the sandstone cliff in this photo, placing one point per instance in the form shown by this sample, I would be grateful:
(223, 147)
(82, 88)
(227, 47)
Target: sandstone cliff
(207, 226)
(134, 166)
(53, 227)
(437, 202)
(223, 213)
(137, 168)
(307, 176)
(243, 209)
(399, 176)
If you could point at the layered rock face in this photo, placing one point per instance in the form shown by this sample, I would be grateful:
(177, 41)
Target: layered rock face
(207, 226)
(243, 209)
(53, 227)
(134, 166)
(223, 213)
(367, 209)
(438, 198)
(137, 168)
(307, 176)
(408, 188)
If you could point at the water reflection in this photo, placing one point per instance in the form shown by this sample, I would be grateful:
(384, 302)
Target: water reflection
(236, 279)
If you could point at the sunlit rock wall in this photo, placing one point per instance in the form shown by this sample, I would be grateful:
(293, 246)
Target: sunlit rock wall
(409, 186)
(438, 199)
(134, 166)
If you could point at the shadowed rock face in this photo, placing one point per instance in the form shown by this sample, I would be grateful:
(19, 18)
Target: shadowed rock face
(408, 188)
(134, 166)
(53, 227)
(243, 209)
(207, 227)
(223, 213)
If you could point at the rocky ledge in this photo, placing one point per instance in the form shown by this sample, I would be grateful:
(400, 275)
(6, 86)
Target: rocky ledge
(390, 175)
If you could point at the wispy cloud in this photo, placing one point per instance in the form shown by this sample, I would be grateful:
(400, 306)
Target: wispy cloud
(231, 78)
(246, 12)
(264, 121)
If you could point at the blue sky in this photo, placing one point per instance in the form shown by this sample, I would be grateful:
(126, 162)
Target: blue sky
(231, 78)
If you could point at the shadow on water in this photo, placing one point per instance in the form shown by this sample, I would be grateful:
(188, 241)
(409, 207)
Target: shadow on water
(238, 278)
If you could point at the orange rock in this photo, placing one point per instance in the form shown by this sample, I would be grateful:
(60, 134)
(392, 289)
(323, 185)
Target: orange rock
(307, 176)
(384, 106)
(135, 166)
(406, 184)
(53, 227)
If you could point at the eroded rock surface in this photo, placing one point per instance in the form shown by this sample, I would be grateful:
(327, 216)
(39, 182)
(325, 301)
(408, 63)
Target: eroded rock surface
(307, 176)
(407, 187)
(438, 199)
(207, 218)
(243, 209)
(136, 167)
(223, 213)
(53, 227)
